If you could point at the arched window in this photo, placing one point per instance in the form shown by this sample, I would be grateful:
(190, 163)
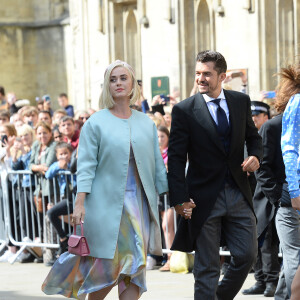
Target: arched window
(131, 48)
(203, 27)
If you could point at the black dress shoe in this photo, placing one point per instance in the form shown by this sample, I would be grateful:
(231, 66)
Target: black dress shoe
(257, 289)
(270, 289)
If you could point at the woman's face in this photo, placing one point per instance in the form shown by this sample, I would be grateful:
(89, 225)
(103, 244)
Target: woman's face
(26, 139)
(120, 84)
(3, 131)
(57, 136)
(43, 135)
(163, 139)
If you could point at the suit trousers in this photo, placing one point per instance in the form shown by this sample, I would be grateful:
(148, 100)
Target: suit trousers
(288, 229)
(267, 266)
(234, 216)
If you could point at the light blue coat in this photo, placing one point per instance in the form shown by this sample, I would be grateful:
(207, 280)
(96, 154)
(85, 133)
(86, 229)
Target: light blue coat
(103, 159)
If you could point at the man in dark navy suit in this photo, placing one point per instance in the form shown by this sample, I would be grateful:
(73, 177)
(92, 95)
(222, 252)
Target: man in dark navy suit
(210, 129)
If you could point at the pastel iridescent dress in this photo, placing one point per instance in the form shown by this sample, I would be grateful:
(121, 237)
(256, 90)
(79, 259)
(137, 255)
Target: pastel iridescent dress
(75, 277)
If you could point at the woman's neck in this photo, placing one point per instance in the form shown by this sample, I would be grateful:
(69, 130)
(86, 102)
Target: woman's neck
(121, 110)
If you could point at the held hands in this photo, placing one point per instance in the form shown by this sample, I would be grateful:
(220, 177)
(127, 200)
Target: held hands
(186, 209)
(62, 163)
(79, 210)
(296, 203)
(250, 164)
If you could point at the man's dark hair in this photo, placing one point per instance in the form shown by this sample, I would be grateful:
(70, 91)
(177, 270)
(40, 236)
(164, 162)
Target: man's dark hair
(63, 95)
(45, 112)
(214, 56)
(2, 91)
(65, 119)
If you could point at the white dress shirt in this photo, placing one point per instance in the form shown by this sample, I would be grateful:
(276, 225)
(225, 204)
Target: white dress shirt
(212, 107)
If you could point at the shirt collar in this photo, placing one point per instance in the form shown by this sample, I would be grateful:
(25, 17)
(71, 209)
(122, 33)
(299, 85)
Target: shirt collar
(208, 99)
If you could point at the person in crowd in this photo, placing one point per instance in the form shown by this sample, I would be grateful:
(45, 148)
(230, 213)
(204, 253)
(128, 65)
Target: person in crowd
(57, 115)
(42, 156)
(130, 212)
(57, 135)
(3, 102)
(47, 104)
(168, 120)
(211, 129)
(91, 111)
(30, 116)
(67, 128)
(270, 178)
(11, 101)
(82, 116)
(4, 116)
(287, 217)
(63, 102)
(65, 206)
(45, 116)
(260, 113)
(167, 213)
(39, 104)
(8, 134)
(24, 145)
(16, 119)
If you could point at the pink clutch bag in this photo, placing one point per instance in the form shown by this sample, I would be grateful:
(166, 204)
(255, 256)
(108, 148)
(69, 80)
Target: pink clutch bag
(78, 244)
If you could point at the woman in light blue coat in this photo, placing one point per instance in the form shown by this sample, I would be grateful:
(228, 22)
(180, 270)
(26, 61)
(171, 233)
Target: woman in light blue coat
(120, 172)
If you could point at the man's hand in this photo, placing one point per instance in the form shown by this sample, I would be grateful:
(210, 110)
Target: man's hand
(250, 164)
(296, 203)
(185, 210)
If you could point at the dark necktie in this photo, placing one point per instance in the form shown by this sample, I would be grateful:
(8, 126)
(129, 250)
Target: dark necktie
(222, 125)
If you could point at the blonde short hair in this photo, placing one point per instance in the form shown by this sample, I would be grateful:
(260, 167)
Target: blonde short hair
(106, 99)
(24, 129)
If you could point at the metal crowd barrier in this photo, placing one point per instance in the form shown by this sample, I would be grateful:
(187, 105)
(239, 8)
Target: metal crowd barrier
(24, 226)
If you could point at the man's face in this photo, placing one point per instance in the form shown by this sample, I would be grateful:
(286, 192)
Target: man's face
(45, 117)
(31, 118)
(208, 80)
(259, 120)
(62, 101)
(67, 128)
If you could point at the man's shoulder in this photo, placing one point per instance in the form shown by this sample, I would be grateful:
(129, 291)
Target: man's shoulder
(186, 103)
(236, 94)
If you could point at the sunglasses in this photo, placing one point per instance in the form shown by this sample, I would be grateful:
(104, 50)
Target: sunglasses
(83, 118)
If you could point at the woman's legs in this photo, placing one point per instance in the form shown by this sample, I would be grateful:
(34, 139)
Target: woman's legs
(99, 295)
(131, 293)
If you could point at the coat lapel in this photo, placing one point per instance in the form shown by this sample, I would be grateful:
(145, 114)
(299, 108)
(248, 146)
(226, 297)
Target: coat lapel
(234, 110)
(205, 120)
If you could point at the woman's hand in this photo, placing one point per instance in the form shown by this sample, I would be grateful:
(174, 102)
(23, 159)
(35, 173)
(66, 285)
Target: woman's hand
(79, 210)
(185, 209)
(40, 168)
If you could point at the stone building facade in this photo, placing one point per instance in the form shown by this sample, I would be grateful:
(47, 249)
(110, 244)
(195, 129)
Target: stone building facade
(157, 37)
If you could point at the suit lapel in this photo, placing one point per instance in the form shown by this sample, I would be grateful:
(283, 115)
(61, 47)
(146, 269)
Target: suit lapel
(234, 110)
(205, 120)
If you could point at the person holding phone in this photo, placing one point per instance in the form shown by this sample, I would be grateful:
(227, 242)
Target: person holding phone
(120, 170)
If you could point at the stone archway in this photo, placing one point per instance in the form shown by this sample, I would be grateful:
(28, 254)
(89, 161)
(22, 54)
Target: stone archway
(203, 27)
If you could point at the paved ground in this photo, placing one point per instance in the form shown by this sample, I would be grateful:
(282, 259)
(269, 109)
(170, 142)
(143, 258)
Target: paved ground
(23, 281)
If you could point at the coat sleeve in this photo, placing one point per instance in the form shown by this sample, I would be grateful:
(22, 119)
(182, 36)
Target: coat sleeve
(52, 171)
(253, 139)
(51, 157)
(177, 157)
(265, 174)
(161, 181)
(87, 162)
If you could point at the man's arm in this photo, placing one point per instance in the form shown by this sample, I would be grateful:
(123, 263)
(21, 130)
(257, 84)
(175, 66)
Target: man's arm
(253, 139)
(265, 174)
(177, 157)
(290, 143)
